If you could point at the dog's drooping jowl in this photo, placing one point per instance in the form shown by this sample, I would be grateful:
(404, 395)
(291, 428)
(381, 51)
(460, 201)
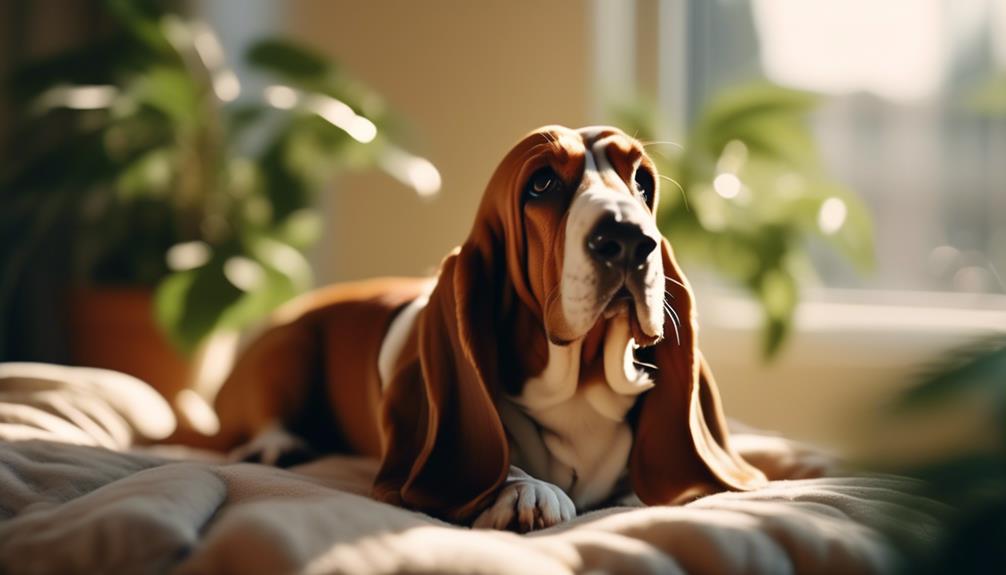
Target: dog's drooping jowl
(551, 367)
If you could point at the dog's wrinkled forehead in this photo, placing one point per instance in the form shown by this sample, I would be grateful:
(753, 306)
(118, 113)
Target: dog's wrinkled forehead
(612, 157)
(600, 138)
(603, 152)
(608, 154)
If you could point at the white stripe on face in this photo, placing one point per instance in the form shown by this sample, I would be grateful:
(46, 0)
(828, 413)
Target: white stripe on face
(586, 288)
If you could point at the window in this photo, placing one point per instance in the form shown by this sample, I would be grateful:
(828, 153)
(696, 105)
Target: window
(899, 122)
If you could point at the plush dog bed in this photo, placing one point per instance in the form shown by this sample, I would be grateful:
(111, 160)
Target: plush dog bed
(79, 495)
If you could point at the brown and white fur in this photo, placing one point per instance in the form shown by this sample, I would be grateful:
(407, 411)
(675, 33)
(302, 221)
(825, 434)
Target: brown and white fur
(550, 368)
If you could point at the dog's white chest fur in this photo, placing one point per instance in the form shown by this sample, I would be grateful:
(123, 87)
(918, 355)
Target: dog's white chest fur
(569, 428)
(571, 445)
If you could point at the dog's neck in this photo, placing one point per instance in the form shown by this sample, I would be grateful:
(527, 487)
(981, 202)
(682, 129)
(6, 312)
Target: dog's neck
(600, 364)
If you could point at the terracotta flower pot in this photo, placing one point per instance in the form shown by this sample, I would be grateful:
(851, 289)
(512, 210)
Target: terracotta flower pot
(114, 328)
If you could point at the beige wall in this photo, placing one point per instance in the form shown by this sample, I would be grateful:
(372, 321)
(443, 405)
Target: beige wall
(471, 78)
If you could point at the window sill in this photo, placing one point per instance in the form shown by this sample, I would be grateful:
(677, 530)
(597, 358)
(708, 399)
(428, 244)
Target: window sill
(849, 354)
(880, 328)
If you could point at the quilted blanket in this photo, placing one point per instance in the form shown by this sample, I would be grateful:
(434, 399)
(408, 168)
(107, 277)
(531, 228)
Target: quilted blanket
(80, 494)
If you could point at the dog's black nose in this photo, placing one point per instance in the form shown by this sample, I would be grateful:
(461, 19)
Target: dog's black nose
(619, 244)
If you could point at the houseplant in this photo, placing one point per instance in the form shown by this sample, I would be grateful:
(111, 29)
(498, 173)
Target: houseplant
(967, 472)
(745, 192)
(187, 202)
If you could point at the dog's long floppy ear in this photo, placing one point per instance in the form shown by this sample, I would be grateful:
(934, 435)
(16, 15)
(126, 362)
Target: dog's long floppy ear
(446, 449)
(682, 448)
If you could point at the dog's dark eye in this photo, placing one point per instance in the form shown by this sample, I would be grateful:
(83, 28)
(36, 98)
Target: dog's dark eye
(645, 185)
(542, 182)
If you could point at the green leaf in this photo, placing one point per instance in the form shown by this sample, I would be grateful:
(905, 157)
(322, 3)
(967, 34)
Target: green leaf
(190, 304)
(170, 91)
(288, 59)
(738, 105)
(92, 64)
(142, 20)
(301, 229)
(981, 368)
(149, 175)
(287, 189)
(779, 294)
(782, 138)
(282, 258)
(243, 117)
(275, 289)
(309, 72)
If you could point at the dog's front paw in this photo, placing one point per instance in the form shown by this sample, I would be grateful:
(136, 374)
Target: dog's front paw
(274, 446)
(525, 504)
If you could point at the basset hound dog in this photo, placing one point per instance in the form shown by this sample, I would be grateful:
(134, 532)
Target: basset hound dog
(551, 367)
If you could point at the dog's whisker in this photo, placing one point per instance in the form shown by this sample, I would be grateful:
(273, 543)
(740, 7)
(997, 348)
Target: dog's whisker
(644, 364)
(677, 332)
(684, 196)
(674, 315)
(675, 321)
(662, 143)
(672, 280)
(671, 180)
